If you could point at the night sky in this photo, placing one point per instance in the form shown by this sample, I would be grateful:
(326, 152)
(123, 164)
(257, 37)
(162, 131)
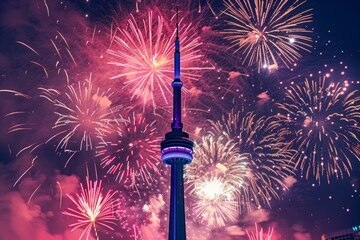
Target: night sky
(51, 50)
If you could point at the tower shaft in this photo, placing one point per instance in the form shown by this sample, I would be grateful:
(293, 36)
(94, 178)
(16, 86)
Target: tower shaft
(177, 229)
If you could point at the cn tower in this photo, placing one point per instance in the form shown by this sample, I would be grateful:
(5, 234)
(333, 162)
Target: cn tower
(176, 151)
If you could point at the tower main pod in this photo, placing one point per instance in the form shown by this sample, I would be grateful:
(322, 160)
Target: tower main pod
(177, 151)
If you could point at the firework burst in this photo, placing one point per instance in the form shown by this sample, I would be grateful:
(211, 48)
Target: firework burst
(212, 155)
(217, 163)
(143, 51)
(83, 113)
(259, 234)
(216, 201)
(134, 153)
(93, 209)
(258, 139)
(324, 119)
(268, 32)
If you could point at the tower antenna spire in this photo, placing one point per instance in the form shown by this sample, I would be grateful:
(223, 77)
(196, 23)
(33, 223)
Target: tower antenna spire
(177, 151)
(177, 22)
(177, 84)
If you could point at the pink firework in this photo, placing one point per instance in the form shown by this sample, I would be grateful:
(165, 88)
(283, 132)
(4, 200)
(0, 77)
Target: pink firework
(143, 50)
(93, 209)
(84, 113)
(134, 153)
(259, 234)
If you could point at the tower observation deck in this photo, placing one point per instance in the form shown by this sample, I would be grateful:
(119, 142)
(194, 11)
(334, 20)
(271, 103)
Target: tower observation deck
(177, 151)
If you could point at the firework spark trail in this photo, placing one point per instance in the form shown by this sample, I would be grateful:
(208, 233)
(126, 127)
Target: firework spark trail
(82, 113)
(16, 93)
(93, 209)
(61, 194)
(259, 234)
(26, 171)
(27, 46)
(259, 140)
(60, 63)
(137, 233)
(143, 51)
(268, 32)
(15, 127)
(33, 193)
(325, 120)
(133, 155)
